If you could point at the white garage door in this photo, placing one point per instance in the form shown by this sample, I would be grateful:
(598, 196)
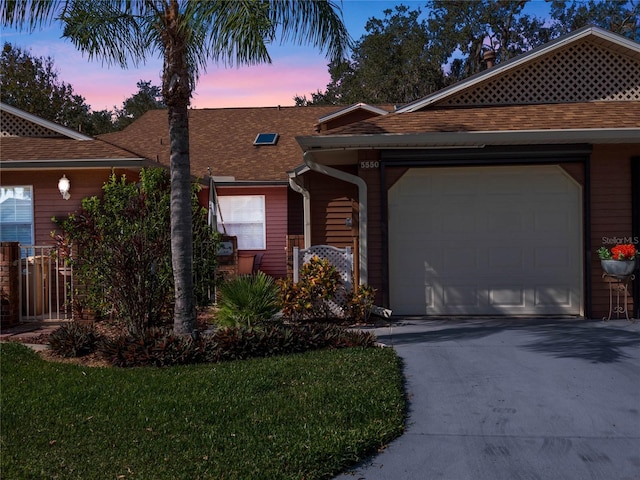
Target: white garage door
(485, 241)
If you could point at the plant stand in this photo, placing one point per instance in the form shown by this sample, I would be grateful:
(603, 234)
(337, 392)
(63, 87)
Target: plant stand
(619, 286)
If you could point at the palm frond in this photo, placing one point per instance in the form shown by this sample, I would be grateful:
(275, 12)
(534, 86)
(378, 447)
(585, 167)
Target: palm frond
(110, 30)
(30, 14)
(316, 22)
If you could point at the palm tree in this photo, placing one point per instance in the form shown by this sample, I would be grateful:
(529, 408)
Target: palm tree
(188, 34)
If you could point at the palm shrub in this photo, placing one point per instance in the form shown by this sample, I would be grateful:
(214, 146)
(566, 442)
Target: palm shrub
(248, 300)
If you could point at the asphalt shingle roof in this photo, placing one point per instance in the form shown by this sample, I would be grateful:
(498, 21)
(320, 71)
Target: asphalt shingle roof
(223, 138)
(34, 148)
(566, 116)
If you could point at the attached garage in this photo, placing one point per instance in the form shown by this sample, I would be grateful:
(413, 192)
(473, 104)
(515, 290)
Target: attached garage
(494, 240)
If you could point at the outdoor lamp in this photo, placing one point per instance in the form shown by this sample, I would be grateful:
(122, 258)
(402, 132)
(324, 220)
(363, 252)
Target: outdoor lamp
(64, 185)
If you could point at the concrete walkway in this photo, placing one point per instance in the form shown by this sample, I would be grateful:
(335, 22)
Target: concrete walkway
(515, 400)
(27, 330)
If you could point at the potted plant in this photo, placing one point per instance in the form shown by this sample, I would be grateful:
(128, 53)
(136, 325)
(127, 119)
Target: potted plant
(620, 260)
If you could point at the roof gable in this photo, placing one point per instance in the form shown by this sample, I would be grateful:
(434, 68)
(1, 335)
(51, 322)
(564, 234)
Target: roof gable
(18, 123)
(353, 113)
(590, 64)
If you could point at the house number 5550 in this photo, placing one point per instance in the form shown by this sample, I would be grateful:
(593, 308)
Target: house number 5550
(369, 164)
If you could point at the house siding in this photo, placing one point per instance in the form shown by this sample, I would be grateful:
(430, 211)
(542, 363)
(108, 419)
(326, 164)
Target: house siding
(377, 233)
(295, 213)
(333, 202)
(611, 211)
(274, 262)
(47, 200)
(373, 178)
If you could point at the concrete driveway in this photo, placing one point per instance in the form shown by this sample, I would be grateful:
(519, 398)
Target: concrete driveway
(515, 400)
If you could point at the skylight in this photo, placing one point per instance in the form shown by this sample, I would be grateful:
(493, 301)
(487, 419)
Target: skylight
(266, 139)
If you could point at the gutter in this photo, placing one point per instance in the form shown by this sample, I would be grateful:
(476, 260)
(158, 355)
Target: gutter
(306, 205)
(362, 200)
(470, 139)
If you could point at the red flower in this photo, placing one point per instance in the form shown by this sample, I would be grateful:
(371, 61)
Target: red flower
(623, 252)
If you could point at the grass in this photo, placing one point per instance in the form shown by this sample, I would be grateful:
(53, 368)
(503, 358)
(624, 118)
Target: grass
(304, 416)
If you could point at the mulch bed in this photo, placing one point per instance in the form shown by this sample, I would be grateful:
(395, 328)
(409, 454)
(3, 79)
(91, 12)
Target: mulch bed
(107, 329)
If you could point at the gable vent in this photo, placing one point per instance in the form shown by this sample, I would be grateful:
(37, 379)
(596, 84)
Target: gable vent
(13, 126)
(266, 139)
(581, 72)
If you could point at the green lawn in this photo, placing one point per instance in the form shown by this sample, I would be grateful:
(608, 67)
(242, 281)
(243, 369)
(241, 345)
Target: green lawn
(305, 416)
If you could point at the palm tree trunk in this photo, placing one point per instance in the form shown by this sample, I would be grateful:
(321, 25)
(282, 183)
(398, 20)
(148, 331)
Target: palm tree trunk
(181, 221)
(176, 89)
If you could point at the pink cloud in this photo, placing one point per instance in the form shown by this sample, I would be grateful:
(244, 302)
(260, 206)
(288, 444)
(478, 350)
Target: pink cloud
(294, 71)
(262, 85)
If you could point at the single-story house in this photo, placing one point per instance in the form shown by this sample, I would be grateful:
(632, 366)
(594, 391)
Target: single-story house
(491, 197)
(247, 152)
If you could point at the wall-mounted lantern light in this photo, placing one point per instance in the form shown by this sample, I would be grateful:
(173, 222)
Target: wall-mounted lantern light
(64, 185)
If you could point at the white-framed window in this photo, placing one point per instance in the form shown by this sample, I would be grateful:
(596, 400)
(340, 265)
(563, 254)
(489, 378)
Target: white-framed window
(244, 217)
(16, 214)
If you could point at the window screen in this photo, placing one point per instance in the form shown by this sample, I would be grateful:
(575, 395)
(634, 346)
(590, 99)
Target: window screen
(244, 217)
(16, 214)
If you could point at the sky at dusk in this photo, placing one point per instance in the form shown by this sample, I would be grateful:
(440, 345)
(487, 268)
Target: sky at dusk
(295, 70)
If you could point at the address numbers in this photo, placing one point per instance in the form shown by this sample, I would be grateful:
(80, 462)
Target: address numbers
(371, 164)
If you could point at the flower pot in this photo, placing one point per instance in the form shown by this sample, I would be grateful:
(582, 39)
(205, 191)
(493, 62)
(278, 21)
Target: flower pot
(618, 268)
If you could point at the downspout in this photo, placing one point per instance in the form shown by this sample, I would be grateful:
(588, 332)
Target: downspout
(306, 208)
(362, 200)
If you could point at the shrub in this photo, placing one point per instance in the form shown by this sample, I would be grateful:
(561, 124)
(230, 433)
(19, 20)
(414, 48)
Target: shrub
(248, 300)
(311, 297)
(235, 343)
(160, 348)
(120, 249)
(360, 303)
(73, 339)
(155, 347)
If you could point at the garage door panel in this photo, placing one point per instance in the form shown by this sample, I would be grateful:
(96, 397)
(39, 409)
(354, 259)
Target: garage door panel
(550, 221)
(501, 296)
(487, 250)
(459, 260)
(455, 185)
(552, 257)
(503, 221)
(458, 222)
(461, 295)
(552, 295)
(506, 258)
(549, 184)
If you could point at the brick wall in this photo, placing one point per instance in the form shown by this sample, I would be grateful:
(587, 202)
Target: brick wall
(9, 283)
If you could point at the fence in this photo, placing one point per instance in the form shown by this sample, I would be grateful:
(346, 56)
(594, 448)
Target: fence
(46, 286)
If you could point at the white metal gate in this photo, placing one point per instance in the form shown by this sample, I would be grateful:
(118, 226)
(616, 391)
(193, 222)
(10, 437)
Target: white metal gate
(46, 284)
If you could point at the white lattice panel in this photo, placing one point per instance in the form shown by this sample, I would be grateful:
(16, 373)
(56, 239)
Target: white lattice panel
(341, 259)
(12, 126)
(579, 73)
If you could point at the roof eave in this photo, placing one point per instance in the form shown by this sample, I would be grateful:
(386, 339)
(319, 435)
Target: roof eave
(67, 132)
(469, 139)
(79, 163)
